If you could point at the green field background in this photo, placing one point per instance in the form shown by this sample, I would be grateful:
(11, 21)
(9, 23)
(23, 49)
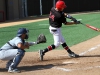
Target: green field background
(73, 34)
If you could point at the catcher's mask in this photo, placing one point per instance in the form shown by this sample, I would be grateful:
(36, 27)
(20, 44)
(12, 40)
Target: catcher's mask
(23, 31)
(60, 5)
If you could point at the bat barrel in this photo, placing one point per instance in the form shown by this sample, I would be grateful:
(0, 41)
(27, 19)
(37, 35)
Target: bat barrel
(92, 27)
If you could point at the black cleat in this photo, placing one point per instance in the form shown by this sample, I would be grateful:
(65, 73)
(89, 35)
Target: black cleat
(41, 54)
(73, 55)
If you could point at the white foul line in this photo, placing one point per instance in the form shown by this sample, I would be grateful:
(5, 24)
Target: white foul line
(91, 49)
(68, 70)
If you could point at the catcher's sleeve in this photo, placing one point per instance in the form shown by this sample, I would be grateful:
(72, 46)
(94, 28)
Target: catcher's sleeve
(32, 43)
(40, 39)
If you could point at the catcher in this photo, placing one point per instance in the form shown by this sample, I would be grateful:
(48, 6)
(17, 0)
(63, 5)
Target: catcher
(14, 50)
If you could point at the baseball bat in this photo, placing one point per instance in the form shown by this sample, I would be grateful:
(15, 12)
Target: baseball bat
(87, 25)
(91, 27)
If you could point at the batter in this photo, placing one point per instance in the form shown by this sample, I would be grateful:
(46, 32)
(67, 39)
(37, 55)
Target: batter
(56, 18)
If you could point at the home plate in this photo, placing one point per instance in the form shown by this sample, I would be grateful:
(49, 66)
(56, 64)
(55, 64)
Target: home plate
(69, 62)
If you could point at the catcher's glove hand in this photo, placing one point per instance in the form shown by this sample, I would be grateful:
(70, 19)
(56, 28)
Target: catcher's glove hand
(41, 39)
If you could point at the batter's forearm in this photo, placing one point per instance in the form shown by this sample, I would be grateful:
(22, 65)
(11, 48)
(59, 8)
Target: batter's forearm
(69, 23)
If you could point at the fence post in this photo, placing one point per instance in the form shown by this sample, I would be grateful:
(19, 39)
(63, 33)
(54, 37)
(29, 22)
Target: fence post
(40, 7)
(3, 16)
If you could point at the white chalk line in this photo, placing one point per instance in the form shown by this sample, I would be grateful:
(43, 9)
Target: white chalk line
(69, 70)
(91, 49)
(69, 62)
(86, 68)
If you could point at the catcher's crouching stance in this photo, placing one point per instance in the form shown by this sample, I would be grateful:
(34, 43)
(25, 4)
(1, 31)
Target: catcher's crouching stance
(14, 50)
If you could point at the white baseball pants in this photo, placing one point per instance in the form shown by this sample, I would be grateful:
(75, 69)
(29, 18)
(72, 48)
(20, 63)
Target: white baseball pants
(57, 36)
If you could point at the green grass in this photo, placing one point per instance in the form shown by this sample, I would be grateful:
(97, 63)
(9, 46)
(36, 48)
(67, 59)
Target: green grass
(73, 34)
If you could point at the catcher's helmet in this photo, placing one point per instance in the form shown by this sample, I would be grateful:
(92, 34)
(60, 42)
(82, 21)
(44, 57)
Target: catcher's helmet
(60, 5)
(23, 31)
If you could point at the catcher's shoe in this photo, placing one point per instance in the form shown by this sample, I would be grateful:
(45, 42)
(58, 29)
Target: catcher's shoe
(73, 55)
(41, 54)
(14, 71)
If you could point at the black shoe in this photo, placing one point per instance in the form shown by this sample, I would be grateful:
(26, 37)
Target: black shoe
(73, 55)
(41, 54)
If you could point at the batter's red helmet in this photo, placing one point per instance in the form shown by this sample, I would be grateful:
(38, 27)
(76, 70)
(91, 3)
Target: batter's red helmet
(60, 5)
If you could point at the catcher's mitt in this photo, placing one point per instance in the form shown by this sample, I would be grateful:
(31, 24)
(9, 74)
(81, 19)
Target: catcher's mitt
(41, 39)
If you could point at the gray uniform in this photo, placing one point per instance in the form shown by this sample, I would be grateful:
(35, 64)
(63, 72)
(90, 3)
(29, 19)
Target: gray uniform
(12, 53)
(9, 51)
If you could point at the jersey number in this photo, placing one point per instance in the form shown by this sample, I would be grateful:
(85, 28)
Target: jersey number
(51, 16)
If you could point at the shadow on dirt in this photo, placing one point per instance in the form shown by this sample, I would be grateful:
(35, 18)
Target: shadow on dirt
(90, 56)
(31, 68)
(51, 63)
(36, 67)
(3, 70)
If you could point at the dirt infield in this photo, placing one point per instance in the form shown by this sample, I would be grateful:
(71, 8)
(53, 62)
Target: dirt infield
(57, 62)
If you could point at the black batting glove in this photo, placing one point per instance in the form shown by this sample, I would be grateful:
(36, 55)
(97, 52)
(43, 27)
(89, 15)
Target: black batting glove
(73, 19)
(77, 22)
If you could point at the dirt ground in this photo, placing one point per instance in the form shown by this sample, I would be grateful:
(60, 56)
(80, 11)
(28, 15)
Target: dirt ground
(57, 62)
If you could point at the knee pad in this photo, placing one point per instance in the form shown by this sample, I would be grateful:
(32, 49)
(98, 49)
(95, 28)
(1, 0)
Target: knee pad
(20, 53)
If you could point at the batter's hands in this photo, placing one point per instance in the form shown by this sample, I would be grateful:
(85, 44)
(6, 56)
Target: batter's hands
(67, 15)
(77, 22)
(73, 19)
